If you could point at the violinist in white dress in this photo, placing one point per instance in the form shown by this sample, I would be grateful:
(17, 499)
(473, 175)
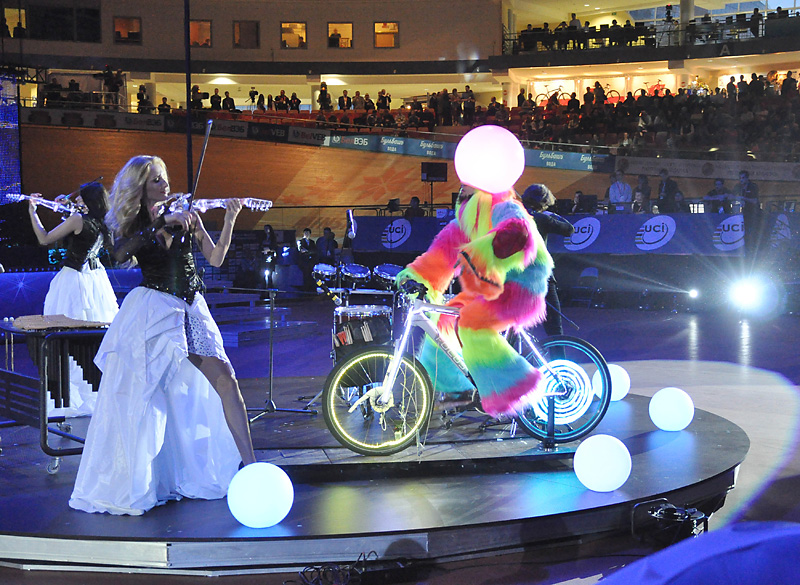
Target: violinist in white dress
(170, 420)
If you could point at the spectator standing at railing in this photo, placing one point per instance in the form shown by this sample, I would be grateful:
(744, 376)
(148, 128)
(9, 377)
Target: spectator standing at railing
(789, 86)
(368, 103)
(324, 98)
(455, 107)
(294, 102)
(163, 107)
(227, 103)
(384, 100)
(521, 97)
(358, 101)
(282, 102)
(747, 193)
(444, 111)
(667, 188)
(216, 100)
(345, 102)
(731, 89)
(755, 22)
(468, 106)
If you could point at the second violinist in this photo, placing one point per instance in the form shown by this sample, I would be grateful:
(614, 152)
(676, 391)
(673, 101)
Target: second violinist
(81, 289)
(170, 420)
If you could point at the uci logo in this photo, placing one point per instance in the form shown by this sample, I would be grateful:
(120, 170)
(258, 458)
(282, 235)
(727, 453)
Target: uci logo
(729, 234)
(396, 233)
(655, 232)
(586, 232)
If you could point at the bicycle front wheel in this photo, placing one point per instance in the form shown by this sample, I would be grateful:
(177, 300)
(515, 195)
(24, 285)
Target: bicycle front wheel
(577, 391)
(375, 426)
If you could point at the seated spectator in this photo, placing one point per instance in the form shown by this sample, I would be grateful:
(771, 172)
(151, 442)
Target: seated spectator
(681, 205)
(372, 118)
(501, 115)
(387, 120)
(414, 120)
(640, 204)
(619, 191)
(718, 199)
(414, 210)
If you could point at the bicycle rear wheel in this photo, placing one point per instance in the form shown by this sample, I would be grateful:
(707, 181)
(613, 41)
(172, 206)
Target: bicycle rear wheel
(576, 405)
(373, 429)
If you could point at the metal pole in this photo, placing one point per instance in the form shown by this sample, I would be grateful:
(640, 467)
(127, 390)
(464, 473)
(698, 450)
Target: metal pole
(188, 58)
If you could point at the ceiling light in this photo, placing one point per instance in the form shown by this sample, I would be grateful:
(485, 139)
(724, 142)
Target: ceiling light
(334, 81)
(222, 81)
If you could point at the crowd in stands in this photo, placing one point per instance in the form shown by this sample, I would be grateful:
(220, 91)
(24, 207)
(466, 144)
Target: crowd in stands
(759, 116)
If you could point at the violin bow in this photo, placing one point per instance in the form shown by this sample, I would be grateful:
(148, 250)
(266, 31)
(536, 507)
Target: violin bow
(209, 124)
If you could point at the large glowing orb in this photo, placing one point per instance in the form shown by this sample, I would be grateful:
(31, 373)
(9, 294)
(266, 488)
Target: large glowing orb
(671, 409)
(260, 495)
(620, 382)
(489, 158)
(602, 463)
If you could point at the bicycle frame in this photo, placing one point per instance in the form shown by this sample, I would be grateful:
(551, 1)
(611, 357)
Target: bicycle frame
(417, 318)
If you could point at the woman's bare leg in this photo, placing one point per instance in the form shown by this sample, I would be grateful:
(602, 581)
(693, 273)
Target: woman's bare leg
(223, 379)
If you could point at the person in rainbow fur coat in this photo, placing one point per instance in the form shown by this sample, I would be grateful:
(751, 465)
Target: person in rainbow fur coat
(503, 266)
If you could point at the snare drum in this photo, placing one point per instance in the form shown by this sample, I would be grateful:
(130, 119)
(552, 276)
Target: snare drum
(324, 272)
(354, 274)
(386, 274)
(358, 325)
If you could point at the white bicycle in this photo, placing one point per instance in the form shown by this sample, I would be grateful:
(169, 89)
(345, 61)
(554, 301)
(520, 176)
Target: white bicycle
(379, 401)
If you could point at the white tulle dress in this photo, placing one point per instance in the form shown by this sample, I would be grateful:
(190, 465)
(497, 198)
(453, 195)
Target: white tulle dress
(158, 432)
(84, 294)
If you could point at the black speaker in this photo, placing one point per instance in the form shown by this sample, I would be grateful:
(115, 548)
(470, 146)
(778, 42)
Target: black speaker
(434, 172)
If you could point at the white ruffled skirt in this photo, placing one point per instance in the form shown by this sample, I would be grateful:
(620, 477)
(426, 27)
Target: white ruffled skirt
(87, 295)
(158, 432)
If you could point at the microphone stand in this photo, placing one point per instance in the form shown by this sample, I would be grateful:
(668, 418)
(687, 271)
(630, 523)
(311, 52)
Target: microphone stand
(269, 405)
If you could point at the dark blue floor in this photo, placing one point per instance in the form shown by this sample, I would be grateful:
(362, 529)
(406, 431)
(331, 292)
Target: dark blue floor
(620, 334)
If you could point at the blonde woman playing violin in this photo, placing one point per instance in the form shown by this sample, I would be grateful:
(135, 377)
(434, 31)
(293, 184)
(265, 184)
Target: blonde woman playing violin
(81, 289)
(170, 420)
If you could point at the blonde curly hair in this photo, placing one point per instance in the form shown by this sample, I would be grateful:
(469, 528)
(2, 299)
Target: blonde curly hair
(127, 193)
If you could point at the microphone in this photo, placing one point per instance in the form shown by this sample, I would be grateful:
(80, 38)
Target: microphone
(351, 225)
(334, 297)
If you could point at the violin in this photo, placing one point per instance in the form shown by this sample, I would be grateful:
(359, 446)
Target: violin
(182, 202)
(64, 206)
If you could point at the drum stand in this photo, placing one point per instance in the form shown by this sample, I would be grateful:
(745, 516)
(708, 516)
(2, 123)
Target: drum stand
(269, 405)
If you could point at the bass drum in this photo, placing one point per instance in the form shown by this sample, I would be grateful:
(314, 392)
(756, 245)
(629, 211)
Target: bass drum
(385, 275)
(354, 275)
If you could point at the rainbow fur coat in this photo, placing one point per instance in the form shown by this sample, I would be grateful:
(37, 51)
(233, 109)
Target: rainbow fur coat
(503, 267)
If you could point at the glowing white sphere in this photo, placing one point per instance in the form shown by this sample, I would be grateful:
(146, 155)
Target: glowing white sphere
(671, 409)
(260, 495)
(489, 158)
(602, 463)
(620, 382)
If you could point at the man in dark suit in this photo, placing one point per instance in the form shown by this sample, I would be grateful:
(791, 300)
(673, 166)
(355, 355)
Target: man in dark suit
(227, 103)
(345, 103)
(667, 189)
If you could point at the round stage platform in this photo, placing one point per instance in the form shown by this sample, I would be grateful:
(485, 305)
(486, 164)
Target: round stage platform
(463, 494)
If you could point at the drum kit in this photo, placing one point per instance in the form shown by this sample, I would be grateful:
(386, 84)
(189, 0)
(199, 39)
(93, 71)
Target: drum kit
(355, 326)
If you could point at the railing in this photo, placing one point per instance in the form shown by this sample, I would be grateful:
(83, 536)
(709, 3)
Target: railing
(699, 31)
